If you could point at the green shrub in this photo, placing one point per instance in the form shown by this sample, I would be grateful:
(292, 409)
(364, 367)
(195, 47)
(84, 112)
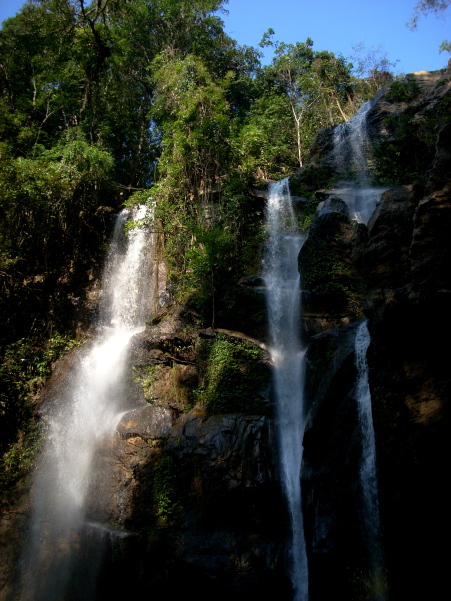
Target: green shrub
(324, 273)
(403, 90)
(405, 156)
(25, 367)
(232, 376)
(165, 490)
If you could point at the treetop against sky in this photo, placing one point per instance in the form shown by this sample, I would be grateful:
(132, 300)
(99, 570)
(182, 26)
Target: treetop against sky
(337, 26)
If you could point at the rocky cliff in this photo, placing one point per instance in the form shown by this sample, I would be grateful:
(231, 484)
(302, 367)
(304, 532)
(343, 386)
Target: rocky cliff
(186, 495)
(395, 271)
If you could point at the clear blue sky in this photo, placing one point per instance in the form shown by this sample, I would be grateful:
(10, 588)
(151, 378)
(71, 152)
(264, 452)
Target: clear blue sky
(334, 25)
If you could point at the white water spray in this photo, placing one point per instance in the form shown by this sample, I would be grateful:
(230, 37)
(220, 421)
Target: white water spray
(368, 476)
(85, 413)
(351, 143)
(352, 157)
(282, 281)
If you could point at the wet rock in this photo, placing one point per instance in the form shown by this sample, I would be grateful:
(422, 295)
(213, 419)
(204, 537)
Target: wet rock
(148, 422)
(333, 205)
(143, 354)
(241, 442)
(245, 311)
(152, 347)
(331, 464)
(331, 282)
(325, 357)
(386, 256)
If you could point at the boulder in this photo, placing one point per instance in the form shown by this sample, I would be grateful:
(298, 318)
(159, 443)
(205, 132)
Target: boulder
(151, 422)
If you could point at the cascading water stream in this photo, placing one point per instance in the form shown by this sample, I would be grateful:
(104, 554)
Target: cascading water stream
(351, 155)
(84, 413)
(351, 143)
(352, 152)
(368, 476)
(282, 282)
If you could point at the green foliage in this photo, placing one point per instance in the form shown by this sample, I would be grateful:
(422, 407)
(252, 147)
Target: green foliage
(25, 366)
(147, 377)
(303, 91)
(307, 212)
(402, 90)
(177, 392)
(232, 376)
(165, 490)
(192, 109)
(77, 103)
(214, 252)
(19, 459)
(406, 154)
(266, 144)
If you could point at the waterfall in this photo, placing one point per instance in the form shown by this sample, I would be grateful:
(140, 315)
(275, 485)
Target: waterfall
(352, 158)
(83, 414)
(368, 476)
(351, 142)
(282, 282)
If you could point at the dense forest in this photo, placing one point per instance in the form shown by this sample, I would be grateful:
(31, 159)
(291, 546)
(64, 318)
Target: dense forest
(135, 101)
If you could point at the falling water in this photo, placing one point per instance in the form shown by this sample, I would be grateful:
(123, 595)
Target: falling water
(352, 157)
(282, 281)
(83, 414)
(368, 475)
(351, 143)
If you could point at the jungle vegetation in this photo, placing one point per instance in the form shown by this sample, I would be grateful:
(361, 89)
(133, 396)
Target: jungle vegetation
(123, 101)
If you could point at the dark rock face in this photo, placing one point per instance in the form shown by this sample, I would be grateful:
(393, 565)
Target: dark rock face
(396, 271)
(147, 422)
(332, 496)
(330, 281)
(185, 499)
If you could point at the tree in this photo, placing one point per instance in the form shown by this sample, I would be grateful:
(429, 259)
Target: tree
(77, 97)
(373, 69)
(291, 67)
(318, 87)
(424, 7)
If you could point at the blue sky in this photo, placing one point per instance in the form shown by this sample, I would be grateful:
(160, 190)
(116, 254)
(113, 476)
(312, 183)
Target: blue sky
(335, 25)
(338, 25)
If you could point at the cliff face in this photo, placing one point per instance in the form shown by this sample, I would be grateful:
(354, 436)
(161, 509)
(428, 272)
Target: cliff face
(396, 272)
(186, 495)
(194, 484)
